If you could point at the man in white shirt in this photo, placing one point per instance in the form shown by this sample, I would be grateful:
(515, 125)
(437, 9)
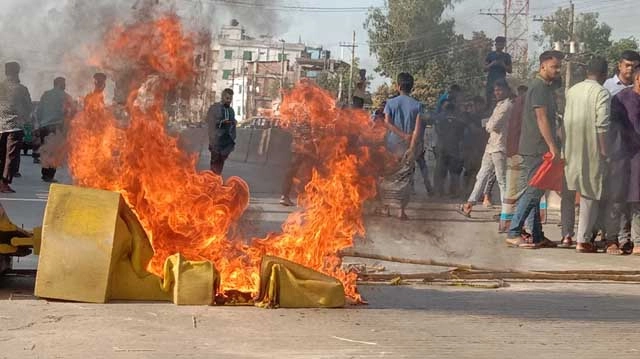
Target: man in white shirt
(494, 158)
(624, 74)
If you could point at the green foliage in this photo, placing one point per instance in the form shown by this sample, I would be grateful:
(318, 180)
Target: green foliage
(595, 35)
(405, 33)
(617, 48)
(412, 36)
(587, 29)
(381, 94)
(330, 81)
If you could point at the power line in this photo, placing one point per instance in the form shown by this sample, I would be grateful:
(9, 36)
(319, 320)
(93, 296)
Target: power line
(291, 8)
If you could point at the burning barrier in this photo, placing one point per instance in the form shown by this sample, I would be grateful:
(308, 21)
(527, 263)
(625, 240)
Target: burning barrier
(193, 213)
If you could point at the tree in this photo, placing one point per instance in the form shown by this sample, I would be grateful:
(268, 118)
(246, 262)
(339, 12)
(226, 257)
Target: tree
(463, 66)
(330, 81)
(405, 33)
(616, 49)
(587, 29)
(595, 35)
(381, 94)
(412, 36)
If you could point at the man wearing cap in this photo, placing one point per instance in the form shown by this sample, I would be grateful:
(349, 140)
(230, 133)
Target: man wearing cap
(15, 109)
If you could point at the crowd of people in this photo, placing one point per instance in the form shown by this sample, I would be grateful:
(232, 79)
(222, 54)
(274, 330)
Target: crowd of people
(504, 138)
(31, 125)
(595, 137)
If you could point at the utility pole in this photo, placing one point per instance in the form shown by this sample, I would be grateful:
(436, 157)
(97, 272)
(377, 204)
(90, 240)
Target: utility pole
(571, 48)
(282, 73)
(501, 17)
(570, 42)
(353, 46)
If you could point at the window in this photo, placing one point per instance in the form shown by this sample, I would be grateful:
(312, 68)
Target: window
(280, 57)
(226, 74)
(240, 89)
(246, 55)
(228, 54)
(239, 112)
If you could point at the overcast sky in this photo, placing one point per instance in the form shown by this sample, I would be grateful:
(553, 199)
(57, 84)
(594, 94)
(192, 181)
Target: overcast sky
(24, 32)
(332, 28)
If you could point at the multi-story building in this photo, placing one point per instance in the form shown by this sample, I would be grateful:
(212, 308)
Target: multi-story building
(264, 78)
(232, 52)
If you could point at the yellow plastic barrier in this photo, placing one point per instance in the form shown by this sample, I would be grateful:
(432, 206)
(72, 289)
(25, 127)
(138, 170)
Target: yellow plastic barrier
(190, 282)
(285, 284)
(94, 250)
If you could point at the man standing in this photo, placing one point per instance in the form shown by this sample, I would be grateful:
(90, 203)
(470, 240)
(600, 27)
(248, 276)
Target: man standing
(15, 109)
(303, 151)
(538, 135)
(516, 181)
(222, 130)
(497, 65)
(494, 159)
(586, 122)
(452, 96)
(624, 73)
(403, 119)
(474, 141)
(625, 111)
(54, 108)
(450, 129)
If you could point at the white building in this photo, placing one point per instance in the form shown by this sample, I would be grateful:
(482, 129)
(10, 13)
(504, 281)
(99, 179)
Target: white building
(233, 49)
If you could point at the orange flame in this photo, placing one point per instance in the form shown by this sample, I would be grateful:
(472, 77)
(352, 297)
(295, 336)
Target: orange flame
(193, 212)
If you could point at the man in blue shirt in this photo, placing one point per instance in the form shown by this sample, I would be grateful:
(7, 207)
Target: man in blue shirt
(404, 123)
(497, 65)
(449, 96)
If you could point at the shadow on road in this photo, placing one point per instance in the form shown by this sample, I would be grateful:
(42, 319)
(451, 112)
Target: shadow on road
(529, 304)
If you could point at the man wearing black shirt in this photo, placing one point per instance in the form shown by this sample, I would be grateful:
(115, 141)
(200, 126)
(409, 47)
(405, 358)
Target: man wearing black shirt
(222, 131)
(497, 65)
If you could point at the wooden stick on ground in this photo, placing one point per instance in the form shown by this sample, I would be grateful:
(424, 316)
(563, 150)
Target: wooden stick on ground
(426, 262)
(462, 275)
(481, 270)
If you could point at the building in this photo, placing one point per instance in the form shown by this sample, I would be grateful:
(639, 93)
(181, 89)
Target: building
(233, 51)
(264, 78)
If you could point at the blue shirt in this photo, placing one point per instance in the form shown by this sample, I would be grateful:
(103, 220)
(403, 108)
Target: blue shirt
(444, 97)
(404, 111)
(497, 72)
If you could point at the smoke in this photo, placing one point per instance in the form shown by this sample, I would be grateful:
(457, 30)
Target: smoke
(55, 37)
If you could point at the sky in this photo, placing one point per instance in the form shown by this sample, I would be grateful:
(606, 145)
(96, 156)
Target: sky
(30, 26)
(332, 28)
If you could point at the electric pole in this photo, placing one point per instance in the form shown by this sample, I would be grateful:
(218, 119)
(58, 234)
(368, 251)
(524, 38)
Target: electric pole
(571, 48)
(282, 74)
(570, 42)
(353, 46)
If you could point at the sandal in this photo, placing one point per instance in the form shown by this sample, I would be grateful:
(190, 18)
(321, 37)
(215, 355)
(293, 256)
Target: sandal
(627, 248)
(567, 242)
(462, 210)
(547, 243)
(614, 249)
(586, 248)
(522, 242)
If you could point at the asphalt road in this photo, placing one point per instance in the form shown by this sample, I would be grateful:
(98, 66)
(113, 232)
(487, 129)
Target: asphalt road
(523, 320)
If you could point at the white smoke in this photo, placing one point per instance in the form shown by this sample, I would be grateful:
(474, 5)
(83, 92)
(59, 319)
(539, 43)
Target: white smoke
(53, 38)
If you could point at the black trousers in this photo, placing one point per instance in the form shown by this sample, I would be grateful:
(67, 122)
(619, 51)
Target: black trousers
(297, 160)
(10, 144)
(48, 173)
(217, 162)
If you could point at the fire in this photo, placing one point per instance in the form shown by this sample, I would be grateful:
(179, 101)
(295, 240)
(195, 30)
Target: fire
(193, 212)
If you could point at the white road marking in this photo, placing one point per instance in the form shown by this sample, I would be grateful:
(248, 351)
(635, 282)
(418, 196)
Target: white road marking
(353, 341)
